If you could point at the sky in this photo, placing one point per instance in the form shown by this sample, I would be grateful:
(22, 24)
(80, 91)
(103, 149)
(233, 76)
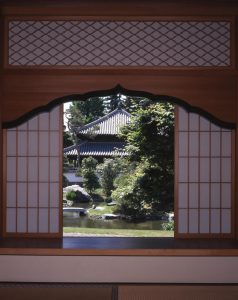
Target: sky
(66, 106)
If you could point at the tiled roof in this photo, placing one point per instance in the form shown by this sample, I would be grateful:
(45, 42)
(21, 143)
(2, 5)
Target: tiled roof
(97, 149)
(107, 125)
(71, 149)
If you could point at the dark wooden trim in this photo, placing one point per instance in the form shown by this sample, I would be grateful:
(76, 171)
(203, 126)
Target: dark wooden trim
(120, 8)
(98, 284)
(205, 235)
(233, 184)
(1, 131)
(117, 290)
(32, 235)
(235, 188)
(114, 246)
(2, 214)
(100, 71)
(61, 158)
(176, 166)
(120, 252)
(114, 17)
(119, 90)
(96, 246)
(236, 147)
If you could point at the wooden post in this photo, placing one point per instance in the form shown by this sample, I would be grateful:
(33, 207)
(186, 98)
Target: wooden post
(236, 140)
(1, 132)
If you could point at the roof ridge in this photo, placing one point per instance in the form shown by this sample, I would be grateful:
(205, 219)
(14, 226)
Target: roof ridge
(69, 147)
(94, 142)
(106, 117)
(114, 147)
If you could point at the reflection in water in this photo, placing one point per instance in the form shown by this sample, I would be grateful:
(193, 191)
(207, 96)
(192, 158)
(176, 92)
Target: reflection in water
(73, 220)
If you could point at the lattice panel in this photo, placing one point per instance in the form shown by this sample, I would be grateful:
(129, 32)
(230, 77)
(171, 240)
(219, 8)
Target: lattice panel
(204, 176)
(33, 162)
(106, 43)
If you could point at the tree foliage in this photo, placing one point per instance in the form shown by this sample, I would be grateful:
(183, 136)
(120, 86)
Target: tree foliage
(149, 186)
(90, 177)
(71, 195)
(108, 172)
(78, 196)
(82, 112)
(67, 139)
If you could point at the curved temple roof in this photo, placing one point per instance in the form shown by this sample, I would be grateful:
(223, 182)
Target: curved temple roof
(97, 149)
(106, 125)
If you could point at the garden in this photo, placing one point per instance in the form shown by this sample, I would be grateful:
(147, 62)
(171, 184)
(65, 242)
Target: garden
(129, 195)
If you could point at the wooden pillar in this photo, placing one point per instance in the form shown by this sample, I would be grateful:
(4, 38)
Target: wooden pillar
(1, 170)
(236, 166)
(1, 104)
(236, 144)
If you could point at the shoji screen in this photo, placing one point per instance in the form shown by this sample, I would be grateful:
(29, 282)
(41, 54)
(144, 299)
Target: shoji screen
(33, 176)
(204, 177)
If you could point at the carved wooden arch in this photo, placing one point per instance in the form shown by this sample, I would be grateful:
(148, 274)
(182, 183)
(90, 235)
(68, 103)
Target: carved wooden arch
(119, 89)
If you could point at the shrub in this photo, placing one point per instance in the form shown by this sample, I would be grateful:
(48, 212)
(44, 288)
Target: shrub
(108, 200)
(130, 198)
(168, 226)
(108, 174)
(78, 195)
(78, 173)
(91, 181)
(71, 195)
(97, 198)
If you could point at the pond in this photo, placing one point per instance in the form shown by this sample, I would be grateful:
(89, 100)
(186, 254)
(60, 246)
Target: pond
(72, 219)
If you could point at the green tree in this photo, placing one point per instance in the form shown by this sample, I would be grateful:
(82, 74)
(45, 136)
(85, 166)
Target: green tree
(89, 163)
(67, 139)
(83, 112)
(150, 144)
(150, 134)
(128, 103)
(90, 177)
(108, 171)
(128, 194)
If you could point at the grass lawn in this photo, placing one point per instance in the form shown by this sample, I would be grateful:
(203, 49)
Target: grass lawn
(118, 232)
(103, 208)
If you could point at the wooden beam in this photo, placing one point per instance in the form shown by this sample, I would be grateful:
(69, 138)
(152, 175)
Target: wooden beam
(120, 8)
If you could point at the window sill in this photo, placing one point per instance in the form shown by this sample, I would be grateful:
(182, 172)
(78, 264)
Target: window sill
(109, 246)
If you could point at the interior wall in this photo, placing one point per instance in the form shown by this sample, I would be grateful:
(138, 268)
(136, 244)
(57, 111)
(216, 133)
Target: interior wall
(215, 91)
(96, 269)
(211, 86)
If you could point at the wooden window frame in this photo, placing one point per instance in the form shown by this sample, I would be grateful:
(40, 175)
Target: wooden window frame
(44, 248)
(120, 89)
